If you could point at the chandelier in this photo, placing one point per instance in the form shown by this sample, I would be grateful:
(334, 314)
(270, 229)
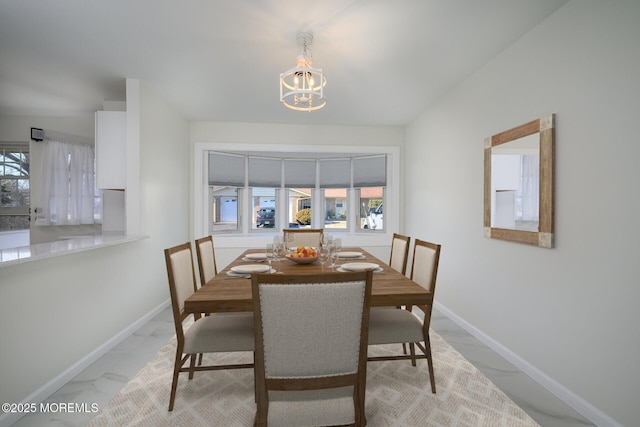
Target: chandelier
(302, 87)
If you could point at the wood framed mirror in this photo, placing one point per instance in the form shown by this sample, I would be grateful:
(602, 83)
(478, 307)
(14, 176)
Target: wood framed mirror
(518, 183)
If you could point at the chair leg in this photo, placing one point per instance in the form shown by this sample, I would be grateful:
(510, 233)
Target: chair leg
(361, 416)
(200, 356)
(255, 383)
(192, 365)
(432, 377)
(412, 350)
(174, 383)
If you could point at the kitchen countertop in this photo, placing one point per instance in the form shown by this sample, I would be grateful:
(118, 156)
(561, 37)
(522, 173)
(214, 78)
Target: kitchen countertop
(65, 245)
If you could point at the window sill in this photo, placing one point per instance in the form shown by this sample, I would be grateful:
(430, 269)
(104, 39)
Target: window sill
(64, 246)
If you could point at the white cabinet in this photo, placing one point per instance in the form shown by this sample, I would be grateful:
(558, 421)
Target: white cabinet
(111, 150)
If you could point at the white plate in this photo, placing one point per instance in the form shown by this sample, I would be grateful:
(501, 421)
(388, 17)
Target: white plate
(256, 257)
(377, 270)
(359, 266)
(245, 275)
(350, 254)
(250, 268)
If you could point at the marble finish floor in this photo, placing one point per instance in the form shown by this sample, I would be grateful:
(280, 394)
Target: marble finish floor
(104, 378)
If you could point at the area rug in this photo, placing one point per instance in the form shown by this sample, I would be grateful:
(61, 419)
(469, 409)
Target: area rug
(398, 394)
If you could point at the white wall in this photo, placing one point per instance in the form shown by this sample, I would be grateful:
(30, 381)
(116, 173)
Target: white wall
(571, 312)
(56, 311)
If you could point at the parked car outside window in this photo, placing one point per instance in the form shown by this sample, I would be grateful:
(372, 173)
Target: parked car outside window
(374, 220)
(266, 217)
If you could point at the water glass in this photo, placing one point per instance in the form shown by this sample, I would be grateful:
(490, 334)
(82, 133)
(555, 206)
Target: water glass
(270, 255)
(289, 240)
(279, 251)
(338, 244)
(323, 255)
(333, 254)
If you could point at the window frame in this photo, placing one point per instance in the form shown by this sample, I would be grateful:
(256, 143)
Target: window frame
(22, 174)
(246, 238)
(347, 207)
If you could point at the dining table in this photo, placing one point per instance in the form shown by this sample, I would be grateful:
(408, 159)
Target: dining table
(231, 292)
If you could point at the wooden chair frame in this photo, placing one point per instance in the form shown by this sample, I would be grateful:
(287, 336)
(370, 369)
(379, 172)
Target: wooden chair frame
(357, 380)
(179, 315)
(426, 309)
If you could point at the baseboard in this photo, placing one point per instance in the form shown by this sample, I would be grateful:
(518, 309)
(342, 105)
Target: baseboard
(67, 375)
(583, 407)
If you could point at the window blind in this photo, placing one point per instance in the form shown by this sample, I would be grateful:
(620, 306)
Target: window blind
(335, 173)
(370, 171)
(226, 169)
(265, 172)
(300, 173)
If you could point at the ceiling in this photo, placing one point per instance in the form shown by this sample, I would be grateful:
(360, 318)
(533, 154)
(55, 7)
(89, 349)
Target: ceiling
(385, 61)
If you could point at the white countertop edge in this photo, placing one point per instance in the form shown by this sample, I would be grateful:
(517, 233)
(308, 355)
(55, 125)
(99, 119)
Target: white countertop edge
(68, 245)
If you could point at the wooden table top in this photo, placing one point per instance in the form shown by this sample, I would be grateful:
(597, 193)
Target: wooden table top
(224, 294)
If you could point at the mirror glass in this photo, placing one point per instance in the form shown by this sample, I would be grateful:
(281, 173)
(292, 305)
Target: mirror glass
(519, 183)
(515, 184)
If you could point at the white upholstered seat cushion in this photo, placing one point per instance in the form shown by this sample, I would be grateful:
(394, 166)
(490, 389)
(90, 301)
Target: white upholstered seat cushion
(391, 325)
(220, 332)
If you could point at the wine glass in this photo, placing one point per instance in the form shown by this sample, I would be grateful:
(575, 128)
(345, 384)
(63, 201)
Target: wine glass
(323, 255)
(279, 251)
(326, 239)
(338, 245)
(270, 255)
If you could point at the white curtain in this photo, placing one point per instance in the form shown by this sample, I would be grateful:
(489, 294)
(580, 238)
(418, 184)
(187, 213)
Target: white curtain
(67, 188)
(530, 187)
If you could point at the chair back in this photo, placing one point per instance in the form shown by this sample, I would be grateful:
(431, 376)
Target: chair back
(399, 252)
(206, 259)
(424, 268)
(182, 281)
(303, 237)
(311, 333)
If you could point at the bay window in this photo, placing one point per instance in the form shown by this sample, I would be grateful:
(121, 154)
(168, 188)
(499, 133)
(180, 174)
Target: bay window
(253, 191)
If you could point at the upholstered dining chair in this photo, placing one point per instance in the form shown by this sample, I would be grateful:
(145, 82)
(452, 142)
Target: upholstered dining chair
(311, 348)
(210, 334)
(207, 268)
(399, 252)
(303, 237)
(390, 326)
(206, 259)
